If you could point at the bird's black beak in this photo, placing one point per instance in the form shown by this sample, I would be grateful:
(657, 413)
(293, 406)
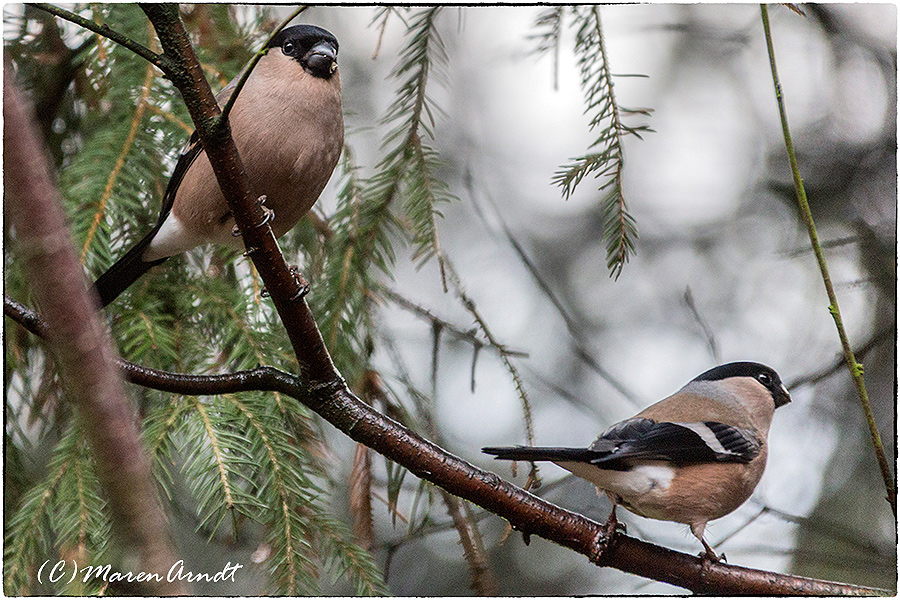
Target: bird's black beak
(782, 396)
(321, 60)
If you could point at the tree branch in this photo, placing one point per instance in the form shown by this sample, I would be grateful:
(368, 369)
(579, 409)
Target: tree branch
(327, 394)
(82, 349)
(260, 379)
(149, 55)
(524, 511)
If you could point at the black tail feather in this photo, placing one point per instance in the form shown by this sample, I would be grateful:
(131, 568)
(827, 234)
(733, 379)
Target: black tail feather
(542, 454)
(125, 271)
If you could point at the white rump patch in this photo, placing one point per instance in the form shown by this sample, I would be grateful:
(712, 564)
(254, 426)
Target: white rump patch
(172, 238)
(640, 479)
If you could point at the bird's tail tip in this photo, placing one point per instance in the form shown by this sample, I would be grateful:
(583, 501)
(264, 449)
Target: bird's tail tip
(533, 453)
(509, 452)
(496, 450)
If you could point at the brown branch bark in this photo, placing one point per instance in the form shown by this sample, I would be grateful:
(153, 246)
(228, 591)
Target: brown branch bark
(82, 349)
(524, 511)
(328, 395)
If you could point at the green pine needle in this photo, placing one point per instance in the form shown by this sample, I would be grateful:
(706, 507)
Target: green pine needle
(607, 161)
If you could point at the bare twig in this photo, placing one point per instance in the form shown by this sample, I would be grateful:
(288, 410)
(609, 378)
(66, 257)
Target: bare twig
(856, 369)
(707, 332)
(572, 326)
(325, 391)
(469, 305)
(876, 340)
(457, 332)
(226, 110)
(528, 513)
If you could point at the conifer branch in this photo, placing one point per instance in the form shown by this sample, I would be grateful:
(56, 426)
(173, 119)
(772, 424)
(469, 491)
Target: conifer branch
(483, 581)
(23, 550)
(549, 33)
(159, 60)
(136, 121)
(291, 556)
(83, 351)
(257, 56)
(409, 166)
(217, 453)
(607, 162)
(188, 130)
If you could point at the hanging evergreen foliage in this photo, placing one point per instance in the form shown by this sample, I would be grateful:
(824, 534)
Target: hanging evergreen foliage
(249, 464)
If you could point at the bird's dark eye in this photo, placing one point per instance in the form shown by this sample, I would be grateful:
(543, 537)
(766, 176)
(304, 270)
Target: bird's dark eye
(288, 48)
(764, 378)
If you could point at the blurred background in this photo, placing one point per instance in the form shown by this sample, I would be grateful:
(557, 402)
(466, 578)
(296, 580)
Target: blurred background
(722, 271)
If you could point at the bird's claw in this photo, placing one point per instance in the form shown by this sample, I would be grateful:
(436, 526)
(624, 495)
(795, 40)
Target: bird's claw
(526, 536)
(613, 525)
(268, 215)
(302, 284)
(301, 293)
(708, 556)
(608, 533)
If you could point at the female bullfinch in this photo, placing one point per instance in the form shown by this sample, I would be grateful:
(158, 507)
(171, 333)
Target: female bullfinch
(287, 124)
(690, 458)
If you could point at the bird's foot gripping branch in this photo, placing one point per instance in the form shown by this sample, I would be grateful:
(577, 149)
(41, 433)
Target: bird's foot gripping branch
(325, 392)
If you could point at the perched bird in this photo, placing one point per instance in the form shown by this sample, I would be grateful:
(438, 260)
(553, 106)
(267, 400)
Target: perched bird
(288, 126)
(690, 458)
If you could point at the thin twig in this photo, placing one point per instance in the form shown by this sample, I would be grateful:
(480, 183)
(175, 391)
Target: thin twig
(572, 326)
(226, 110)
(707, 331)
(856, 369)
(457, 332)
(160, 60)
(812, 378)
(838, 532)
(469, 305)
